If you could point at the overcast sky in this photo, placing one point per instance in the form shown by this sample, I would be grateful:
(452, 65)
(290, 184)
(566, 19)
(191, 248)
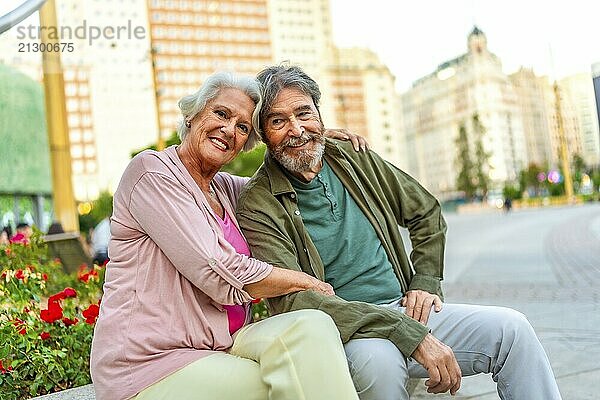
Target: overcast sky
(414, 37)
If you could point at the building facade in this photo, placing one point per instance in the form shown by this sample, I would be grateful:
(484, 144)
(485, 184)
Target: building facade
(193, 39)
(366, 101)
(301, 34)
(534, 95)
(596, 80)
(578, 91)
(437, 105)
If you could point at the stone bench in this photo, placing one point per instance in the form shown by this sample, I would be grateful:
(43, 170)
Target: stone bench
(87, 392)
(79, 393)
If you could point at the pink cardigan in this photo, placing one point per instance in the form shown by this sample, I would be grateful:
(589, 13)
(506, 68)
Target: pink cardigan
(169, 273)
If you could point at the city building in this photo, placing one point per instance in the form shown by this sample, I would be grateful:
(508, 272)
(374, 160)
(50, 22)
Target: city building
(578, 90)
(193, 39)
(366, 101)
(437, 105)
(534, 96)
(537, 98)
(596, 79)
(301, 34)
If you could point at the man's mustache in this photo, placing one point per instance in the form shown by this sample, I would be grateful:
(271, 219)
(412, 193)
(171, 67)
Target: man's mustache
(305, 137)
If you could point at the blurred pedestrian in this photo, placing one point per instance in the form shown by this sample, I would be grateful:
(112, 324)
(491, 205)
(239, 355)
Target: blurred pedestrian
(5, 235)
(23, 234)
(507, 204)
(100, 239)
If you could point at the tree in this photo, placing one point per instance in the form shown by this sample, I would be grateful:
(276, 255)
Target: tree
(533, 179)
(464, 179)
(472, 160)
(247, 162)
(578, 168)
(481, 164)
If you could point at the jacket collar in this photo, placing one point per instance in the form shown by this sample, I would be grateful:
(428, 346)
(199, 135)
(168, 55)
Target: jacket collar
(280, 184)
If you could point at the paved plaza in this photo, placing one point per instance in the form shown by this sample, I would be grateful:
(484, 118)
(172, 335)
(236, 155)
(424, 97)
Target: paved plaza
(544, 263)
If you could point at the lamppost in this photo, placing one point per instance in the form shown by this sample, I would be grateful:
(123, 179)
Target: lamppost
(56, 120)
(564, 155)
(160, 144)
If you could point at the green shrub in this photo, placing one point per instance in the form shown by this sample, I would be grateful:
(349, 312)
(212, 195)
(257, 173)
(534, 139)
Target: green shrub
(46, 321)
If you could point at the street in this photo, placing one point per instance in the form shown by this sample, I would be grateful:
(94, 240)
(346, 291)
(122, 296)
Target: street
(544, 263)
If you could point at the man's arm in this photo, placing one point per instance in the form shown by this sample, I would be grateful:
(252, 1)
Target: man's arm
(354, 320)
(403, 201)
(420, 212)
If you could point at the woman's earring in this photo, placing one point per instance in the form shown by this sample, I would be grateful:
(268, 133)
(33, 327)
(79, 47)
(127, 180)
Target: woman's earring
(188, 124)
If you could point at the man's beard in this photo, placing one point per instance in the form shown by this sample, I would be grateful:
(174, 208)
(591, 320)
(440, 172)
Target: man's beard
(303, 160)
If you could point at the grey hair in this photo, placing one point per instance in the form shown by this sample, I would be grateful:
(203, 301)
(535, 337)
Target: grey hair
(276, 78)
(196, 102)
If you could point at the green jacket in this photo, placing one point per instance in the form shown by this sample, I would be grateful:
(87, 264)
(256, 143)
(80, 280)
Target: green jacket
(269, 217)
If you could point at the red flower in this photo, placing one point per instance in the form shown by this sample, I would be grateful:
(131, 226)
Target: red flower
(91, 313)
(53, 313)
(3, 275)
(19, 238)
(19, 274)
(44, 335)
(69, 321)
(45, 277)
(7, 251)
(88, 275)
(69, 292)
(4, 370)
(57, 297)
(21, 326)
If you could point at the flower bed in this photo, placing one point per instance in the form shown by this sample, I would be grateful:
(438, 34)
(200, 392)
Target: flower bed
(47, 320)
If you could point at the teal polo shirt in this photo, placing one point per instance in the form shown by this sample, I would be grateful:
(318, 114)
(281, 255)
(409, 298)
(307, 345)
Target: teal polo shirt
(356, 264)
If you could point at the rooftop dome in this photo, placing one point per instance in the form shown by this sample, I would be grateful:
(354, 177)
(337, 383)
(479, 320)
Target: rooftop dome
(24, 154)
(476, 31)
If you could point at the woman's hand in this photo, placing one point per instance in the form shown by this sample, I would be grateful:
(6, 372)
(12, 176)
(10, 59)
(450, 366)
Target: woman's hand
(283, 281)
(358, 142)
(320, 286)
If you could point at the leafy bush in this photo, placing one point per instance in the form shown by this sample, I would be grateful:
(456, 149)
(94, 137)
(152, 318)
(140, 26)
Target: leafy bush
(46, 321)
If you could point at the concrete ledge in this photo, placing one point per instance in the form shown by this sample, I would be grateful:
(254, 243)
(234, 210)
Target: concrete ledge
(79, 393)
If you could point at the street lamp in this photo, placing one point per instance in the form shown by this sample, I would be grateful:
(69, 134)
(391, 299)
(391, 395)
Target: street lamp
(58, 129)
(564, 157)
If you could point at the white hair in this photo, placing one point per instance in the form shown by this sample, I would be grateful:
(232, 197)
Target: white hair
(194, 103)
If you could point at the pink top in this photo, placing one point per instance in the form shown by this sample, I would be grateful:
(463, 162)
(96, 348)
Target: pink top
(171, 269)
(236, 314)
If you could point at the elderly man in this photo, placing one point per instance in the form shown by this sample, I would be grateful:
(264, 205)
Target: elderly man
(319, 207)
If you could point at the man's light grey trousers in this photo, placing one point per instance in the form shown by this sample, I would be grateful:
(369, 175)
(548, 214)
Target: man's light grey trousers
(484, 339)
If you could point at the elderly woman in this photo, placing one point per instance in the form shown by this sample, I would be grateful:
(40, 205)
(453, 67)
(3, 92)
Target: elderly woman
(174, 318)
